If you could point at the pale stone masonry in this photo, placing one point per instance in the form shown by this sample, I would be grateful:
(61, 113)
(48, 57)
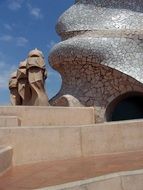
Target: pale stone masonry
(101, 52)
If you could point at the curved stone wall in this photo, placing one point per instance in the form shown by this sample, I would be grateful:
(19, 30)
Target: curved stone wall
(101, 54)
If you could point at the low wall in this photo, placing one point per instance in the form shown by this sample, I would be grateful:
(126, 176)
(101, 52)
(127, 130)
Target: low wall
(43, 116)
(56, 143)
(8, 121)
(132, 180)
(5, 158)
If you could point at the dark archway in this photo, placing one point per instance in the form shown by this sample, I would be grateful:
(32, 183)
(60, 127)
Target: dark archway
(126, 107)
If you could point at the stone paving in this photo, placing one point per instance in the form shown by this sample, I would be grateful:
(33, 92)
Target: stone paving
(45, 174)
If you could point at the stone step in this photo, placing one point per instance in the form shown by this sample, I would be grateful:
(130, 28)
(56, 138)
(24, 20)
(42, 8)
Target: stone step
(6, 153)
(9, 121)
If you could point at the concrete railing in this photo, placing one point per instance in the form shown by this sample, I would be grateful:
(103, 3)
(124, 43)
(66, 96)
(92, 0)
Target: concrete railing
(5, 158)
(57, 143)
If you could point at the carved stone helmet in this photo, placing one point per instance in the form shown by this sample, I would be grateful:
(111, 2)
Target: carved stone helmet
(21, 71)
(13, 80)
(36, 59)
(36, 53)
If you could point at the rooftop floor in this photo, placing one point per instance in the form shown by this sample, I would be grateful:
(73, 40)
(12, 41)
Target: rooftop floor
(45, 174)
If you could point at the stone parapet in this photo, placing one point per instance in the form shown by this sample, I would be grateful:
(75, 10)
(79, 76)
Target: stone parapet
(32, 144)
(47, 116)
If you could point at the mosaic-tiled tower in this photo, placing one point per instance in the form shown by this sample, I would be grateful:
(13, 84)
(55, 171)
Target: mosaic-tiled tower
(100, 57)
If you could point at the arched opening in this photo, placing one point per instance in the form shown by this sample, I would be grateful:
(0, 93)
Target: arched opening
(126, 107)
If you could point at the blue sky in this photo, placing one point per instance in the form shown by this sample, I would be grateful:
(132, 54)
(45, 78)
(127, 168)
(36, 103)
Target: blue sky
(25, 25)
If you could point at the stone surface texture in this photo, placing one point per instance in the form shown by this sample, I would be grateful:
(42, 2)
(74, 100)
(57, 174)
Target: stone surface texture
(101, 52)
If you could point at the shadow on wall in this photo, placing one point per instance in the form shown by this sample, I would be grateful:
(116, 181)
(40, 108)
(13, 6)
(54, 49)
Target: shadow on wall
(126, 107)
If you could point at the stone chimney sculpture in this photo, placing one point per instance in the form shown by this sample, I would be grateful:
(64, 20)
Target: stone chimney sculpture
(23, 84)
(100, 57)
(27, 83)
(13, 87)
(36, 76)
